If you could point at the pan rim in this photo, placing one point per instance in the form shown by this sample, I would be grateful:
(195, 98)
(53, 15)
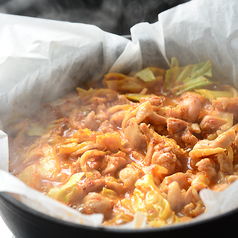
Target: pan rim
(24, 208)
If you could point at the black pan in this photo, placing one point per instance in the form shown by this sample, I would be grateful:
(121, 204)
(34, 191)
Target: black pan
(25, 222)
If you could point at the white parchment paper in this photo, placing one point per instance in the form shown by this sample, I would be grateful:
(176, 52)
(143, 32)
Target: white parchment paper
(41, 60)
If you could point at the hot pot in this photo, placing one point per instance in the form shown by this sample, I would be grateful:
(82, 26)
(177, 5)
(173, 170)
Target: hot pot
(26, 222)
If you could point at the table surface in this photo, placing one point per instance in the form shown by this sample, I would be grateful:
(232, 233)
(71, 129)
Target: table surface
(5, 232)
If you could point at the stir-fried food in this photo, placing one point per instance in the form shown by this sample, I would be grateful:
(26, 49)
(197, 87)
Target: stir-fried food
(146, 143)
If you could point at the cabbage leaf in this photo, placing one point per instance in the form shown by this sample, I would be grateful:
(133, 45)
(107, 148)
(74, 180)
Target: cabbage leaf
(69, 191)
(181, 79)
(146, 78)
(147, 200)
(136, 97)
(35, 129)
(146, 75)
(213, 94)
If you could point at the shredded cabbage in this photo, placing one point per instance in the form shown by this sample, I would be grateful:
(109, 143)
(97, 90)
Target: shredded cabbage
(146, 78)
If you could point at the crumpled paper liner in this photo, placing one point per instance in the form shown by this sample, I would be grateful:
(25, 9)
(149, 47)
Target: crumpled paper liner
(41, 60)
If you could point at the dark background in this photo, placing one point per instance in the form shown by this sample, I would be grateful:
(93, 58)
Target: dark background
(116, 16)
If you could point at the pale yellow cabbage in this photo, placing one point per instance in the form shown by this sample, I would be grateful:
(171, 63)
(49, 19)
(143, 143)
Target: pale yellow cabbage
(147, 200)
(146, 75)
(109, 193)
(69, 191)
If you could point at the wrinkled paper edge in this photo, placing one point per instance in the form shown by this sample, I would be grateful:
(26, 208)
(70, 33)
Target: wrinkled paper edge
(216, 202)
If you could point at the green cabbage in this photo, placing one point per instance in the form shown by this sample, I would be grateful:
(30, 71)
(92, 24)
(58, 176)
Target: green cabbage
(69, 191)
(146, 78)
(213, 94)
(136, 97)
(181, 79)
(146, 75)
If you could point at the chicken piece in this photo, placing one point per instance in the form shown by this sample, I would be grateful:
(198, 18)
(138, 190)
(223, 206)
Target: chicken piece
(188, 108)
(207, 166)
(129, 176)
(88, 159)
(134, 134)
(175, 125)
(206, 147)
(193, 209)
(75, 119)
(179, 177)
(114, 165)
(181, 131)
(91, 122)
(105, 127)
(154, 100)
(210, 124)
(225, 139)
(195, 128)
(114, 185)
(95, 118)
(193, 205)
(75, 190)
(167, 160)
(226, 163)
(227, 104)
(96, 203)
(200, 182)
(145, 112)
(156, 119)
(159, 145)
(191, 196)
(92, 186)
(117, 118)
(175, 197)
(148, 132)
(101, 113)
(189, 139)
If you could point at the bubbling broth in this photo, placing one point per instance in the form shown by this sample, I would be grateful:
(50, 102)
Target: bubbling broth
(146, 143)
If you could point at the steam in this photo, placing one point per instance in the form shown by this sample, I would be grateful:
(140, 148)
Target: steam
(116, 16)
